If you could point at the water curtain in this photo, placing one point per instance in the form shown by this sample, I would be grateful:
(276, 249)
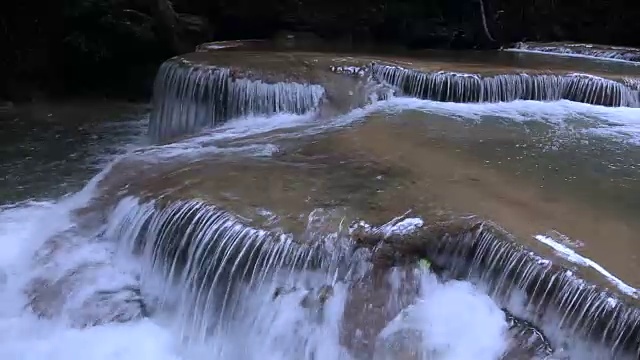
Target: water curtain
(188, 97)
(208, 250)
(474, 88)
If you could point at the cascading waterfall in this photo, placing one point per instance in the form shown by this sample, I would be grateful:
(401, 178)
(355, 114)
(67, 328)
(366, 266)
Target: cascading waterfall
(553, 294)
(614, 53)
(268, 294)
(552, 297)
(231, 275)
(474, 88)
(188, 97)
(208, 250)
(223, 278)
(220, 264)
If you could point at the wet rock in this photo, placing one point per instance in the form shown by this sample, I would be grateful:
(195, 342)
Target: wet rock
(282, 291)
(102, 307)
(317, 298)
(402, 242)
(372, 302)
(314, 300)
(80, 284)
(356, 71)
(119, 305)
(526, 341)
(75, 298)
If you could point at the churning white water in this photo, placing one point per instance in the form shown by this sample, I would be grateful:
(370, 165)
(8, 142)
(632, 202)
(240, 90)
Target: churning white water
(621, 123)
(458, 321)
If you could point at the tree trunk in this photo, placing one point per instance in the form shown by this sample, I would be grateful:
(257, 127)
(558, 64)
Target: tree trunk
(484, 22)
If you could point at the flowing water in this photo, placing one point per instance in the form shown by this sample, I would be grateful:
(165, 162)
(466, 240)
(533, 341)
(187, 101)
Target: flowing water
(232, 229)
(610, 53)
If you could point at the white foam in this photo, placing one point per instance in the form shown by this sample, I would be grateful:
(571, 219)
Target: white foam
(213, 140)
(32, 339)
(620, 122)
(572, 55)
(350, 70)
(26, 229)
(406, 226)
(570, 255)
(455, 321)
(401, 225)
(23, 229)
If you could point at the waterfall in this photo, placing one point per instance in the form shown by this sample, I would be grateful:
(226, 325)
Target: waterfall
(633, 83)
(552, 292)
(220, 271)
(475, 88)
(611, 53)
(188, 97)
(216, 259)
(222, 265)
(208, 251)
(554, 298)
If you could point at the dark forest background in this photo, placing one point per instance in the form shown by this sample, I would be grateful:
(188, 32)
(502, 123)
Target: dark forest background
(112, 48)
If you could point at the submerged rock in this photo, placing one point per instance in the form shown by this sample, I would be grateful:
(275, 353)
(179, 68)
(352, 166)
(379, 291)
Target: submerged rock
(119, 305)
(72, 298)
(80, 284)
(314, 300)
(318, 297)
(526, 341)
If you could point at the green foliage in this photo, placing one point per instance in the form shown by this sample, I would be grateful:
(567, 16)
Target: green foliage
(425, 264)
